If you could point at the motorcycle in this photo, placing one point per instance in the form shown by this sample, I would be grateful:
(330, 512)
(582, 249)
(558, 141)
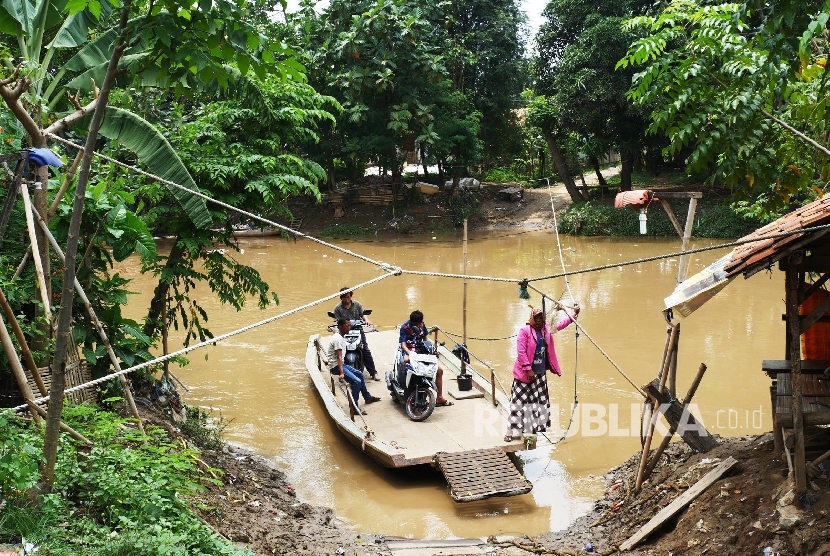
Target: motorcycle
(413, 382)
(354, 354)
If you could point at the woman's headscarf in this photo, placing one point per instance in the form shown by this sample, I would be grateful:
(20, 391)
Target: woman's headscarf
(533, 312)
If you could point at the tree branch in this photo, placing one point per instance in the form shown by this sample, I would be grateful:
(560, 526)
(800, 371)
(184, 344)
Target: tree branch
(797, 133)
(58, 366)
(71, 118)
(12, 99)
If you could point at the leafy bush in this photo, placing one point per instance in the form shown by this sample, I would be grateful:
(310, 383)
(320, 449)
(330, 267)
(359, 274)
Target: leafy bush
(464, 205)
(344, 230)
(19, 456)
(120, 497)
(503, 174)
(203, 428)
(722, 222)
(589, 218)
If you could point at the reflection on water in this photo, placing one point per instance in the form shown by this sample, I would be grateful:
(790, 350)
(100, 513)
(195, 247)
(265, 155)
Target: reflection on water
(258, 379)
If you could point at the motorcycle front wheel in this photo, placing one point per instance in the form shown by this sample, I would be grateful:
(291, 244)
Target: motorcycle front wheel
(419, 404)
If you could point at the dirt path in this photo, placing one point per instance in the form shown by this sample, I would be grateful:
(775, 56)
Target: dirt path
(534, 210)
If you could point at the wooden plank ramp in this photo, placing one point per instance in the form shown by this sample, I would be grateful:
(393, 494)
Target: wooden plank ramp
(679, 503)
(478, 474)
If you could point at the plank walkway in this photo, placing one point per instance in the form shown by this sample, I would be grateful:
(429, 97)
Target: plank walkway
(480, 474)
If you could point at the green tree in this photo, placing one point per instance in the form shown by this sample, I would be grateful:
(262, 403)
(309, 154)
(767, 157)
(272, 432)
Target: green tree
(484, 50)
(742, 87)
(380, 60)
(579, 46)
(164, 43)
(246, 154)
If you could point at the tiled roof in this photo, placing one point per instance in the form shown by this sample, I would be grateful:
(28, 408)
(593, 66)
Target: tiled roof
(751, 257)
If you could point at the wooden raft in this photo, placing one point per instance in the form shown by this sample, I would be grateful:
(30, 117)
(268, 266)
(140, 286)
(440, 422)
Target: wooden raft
(479, 474)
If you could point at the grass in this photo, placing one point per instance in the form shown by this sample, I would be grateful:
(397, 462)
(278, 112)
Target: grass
(125, 495)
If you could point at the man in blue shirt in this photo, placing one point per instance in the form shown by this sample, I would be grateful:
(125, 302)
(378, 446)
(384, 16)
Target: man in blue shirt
(411, 331)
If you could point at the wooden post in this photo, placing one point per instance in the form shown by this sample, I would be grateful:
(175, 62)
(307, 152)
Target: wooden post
(793, 325)
(646, 447)
(41, 279)
(125, 385)
(464, 302)
(493, 387)
(687, 234)
(672, 384)
(24, 345)
(652, 463)
(653, 421)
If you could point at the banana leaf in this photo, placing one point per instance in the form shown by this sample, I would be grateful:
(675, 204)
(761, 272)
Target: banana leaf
(157, 156)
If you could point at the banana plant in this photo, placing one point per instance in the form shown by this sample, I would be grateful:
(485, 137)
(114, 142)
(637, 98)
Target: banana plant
(181, 46)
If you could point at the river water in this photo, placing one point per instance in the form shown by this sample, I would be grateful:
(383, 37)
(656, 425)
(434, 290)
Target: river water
(258, 380)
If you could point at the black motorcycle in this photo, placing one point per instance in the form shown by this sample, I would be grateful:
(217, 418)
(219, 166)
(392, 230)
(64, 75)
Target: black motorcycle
(354, 338)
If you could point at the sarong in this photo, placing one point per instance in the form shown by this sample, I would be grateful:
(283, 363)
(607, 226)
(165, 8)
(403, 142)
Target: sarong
(529, 407)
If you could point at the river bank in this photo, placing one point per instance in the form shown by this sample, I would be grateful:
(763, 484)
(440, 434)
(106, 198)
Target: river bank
(748, 509)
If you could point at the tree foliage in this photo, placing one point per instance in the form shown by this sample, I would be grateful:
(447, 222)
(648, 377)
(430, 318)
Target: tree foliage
(579, 45)
(721, 80)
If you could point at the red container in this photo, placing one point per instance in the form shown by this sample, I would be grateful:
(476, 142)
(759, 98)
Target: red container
(637, 199)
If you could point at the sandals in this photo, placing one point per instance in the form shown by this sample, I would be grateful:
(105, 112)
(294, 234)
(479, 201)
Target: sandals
(443, 403)
(372, 399)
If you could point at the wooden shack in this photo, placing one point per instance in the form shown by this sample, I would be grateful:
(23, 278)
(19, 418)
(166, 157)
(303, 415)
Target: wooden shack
(799, 245)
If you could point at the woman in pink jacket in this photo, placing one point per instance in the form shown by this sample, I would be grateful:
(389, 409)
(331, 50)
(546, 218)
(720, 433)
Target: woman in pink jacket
(529, 399)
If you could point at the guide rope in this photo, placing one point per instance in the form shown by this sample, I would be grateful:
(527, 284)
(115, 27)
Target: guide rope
(209, 342)
(582, 329)
(385, 266)
(391, 270)
(573, 319)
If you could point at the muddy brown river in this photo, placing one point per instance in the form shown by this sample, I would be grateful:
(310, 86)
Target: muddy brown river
(258, 380)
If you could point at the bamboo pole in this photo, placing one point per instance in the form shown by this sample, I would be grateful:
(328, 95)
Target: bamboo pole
(128, 395)
(464, 303)
(653, 421)
(30, 224)
(17, 368)
(24, 345)
(22, 264)
(652, 463)
(20, 376)
(64, 427)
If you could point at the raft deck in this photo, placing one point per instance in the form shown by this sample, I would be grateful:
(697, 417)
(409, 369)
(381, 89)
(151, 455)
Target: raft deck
(471, 424)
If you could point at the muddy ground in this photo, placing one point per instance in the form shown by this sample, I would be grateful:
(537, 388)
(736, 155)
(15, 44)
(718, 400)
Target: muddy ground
(747, 510)
(431, 216)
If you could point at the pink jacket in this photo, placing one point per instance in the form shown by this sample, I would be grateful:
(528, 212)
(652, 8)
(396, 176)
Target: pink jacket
(526, 347)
